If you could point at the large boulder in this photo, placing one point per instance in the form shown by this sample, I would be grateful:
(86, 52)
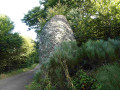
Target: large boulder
(53, 34)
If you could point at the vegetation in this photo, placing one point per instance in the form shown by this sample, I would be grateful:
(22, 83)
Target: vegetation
(73, 67)
(108, 77)
(83, 81)
(15, 51)
(17, 71)
(89, 19)
(89, 63)
(99, 52)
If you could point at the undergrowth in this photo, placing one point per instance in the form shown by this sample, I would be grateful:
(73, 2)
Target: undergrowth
(68, 67)
(108, 77)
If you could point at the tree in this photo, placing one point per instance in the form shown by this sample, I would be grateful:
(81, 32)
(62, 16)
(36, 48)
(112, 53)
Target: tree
(9, 43)
(31, 18)
(95, 19)
(15, 51)
(107, 17)
(6, 25)
(89, 19)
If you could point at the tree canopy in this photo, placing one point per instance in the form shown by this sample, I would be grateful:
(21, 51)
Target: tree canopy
(6, 25)
(89, 19)
(15, 51)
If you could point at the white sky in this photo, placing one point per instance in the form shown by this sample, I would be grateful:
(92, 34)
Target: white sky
(16, 9)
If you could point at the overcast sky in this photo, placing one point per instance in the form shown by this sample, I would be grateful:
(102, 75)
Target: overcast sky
(16, 9)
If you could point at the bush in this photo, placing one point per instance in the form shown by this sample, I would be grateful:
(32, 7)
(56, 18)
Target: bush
(16, 52)
(55, 73)
(68, 51)
(33, 86)
(83, 81)
(62, 64)
(66, 60)
(98, 52)
(41, 80)
(108, 77)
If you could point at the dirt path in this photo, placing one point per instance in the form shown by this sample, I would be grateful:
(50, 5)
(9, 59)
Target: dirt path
(18, 82)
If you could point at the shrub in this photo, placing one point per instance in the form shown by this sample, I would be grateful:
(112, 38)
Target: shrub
(108, 77)
(33, 86)
(83, 81)
(55, 73)
(66, 60)
(66, 51)
(62, 64)
(41, 80)
(96, 52)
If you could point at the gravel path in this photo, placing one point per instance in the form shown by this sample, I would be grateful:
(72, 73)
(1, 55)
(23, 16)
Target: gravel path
(18, 82)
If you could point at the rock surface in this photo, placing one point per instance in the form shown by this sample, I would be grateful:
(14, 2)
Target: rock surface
(53, 34)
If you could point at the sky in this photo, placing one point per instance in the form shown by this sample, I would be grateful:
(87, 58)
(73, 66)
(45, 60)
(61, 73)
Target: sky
(15, 10)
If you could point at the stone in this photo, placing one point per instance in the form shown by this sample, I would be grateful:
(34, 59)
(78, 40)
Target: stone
(53, 34)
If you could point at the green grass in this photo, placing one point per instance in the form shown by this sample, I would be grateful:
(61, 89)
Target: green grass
(8, 74)
(33, 86)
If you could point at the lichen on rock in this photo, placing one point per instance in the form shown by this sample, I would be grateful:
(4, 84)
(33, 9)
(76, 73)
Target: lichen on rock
(53, 34)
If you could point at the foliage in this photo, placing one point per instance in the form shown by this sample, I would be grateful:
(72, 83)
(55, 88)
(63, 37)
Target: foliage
(33, 86)
(83, 81)
(27, 51)
(108, 77)
(9, 46)
(6, 25)
(108, 17)
(67, 52)
(16, 51)
(97, 20)
(9, 43)
(63, 69)
(62, 64)
(58, 9)
(31, 19)
(89, 19)
(100, 51)
(55, 74)
(82, 25)
(41, 81)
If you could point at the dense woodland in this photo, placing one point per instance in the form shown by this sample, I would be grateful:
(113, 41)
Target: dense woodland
(16, 51)
(93, 63)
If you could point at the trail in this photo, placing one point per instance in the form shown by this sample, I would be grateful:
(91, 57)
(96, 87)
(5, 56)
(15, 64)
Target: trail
(18, 82)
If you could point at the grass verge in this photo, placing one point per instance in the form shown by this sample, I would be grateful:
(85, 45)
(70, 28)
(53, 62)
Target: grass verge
(8, 74)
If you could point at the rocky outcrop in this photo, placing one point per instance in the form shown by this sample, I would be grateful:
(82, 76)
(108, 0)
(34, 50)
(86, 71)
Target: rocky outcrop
(54, 32)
